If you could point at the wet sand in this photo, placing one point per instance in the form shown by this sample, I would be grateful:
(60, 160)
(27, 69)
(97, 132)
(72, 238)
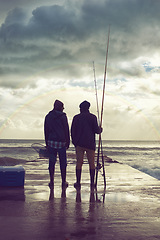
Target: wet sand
(129, 208)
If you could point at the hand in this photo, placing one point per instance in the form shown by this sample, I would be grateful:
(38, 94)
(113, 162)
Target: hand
(101, 129)
(67, 146)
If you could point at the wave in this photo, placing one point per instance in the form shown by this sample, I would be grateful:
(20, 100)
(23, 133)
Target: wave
(154, 171)
(132, 148)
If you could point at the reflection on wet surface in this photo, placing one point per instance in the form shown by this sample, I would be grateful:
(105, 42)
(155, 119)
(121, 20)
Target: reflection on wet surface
(43, 193)
(12, 194)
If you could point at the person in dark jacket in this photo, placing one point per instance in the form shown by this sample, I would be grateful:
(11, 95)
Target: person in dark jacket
(57, 139)
(83, 129)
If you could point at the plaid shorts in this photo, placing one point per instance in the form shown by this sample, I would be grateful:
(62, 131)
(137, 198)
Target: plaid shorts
(56, 145)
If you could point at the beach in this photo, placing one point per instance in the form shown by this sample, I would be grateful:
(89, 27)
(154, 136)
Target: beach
(127, 209)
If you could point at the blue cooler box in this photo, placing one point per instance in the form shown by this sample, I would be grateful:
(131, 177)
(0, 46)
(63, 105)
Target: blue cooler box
(12, 176)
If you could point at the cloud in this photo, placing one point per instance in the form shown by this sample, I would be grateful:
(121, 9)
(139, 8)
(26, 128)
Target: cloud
(61, 34)
(49, 49)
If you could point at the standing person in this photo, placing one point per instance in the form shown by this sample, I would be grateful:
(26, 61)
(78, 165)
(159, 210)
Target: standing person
(83, 129)
(57, 138)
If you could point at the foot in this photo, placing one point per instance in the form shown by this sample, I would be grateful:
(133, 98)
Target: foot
(51, 185)
(77, 186)
(64, 184)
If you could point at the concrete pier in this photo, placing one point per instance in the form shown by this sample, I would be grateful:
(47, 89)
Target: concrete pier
(129, 207)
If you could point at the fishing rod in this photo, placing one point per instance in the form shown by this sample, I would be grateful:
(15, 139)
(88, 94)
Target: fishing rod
(95, 84)
(102, 106)
(98, 163)
(105, 73)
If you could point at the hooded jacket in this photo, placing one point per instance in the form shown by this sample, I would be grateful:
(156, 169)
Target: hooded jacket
(56, 127)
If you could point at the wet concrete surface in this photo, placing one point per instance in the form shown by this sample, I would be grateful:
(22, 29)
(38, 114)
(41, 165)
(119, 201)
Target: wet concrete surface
(129, 207)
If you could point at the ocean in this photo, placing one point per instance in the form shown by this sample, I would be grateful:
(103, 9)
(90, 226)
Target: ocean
(142, 155)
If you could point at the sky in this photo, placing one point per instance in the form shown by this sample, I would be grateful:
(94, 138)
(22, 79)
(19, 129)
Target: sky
(47, 50)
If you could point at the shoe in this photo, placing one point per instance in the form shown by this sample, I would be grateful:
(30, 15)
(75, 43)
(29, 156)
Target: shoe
(51, 185)
(64, 184)
(77, 186)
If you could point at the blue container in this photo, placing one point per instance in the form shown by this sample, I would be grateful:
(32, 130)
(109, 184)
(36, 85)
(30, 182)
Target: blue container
(12, 176)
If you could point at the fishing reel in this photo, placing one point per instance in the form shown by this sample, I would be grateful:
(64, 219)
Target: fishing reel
(99, 166)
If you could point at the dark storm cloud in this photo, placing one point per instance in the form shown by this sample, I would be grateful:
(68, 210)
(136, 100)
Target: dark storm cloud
(54, 22)
(63, 34)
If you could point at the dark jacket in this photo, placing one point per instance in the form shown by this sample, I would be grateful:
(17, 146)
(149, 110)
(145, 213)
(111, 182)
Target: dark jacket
(56, 127)
(83, 129)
